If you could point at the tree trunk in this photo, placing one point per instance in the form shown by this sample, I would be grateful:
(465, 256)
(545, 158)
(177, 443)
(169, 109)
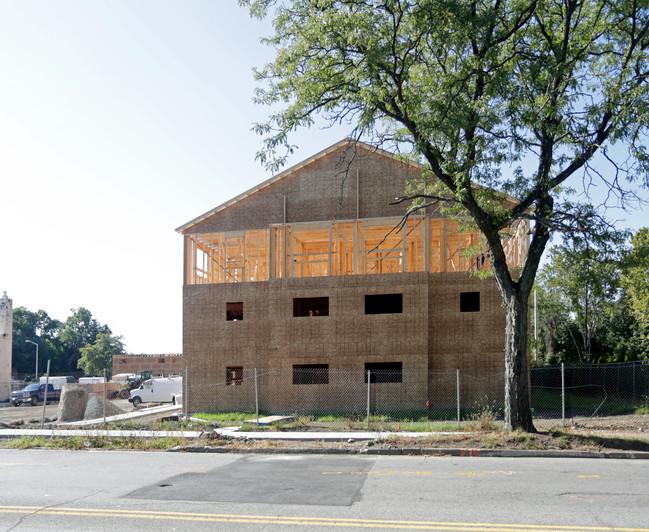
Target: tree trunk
(517, 390)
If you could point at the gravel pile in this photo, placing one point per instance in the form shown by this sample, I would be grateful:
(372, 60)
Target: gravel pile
(95, 407)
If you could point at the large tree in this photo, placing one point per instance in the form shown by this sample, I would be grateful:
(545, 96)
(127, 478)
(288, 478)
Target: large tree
(496, 97)
(98, 356)
(583, 277)
(60, 342)
(39, 328)
(80, 329)
(583, 313)
(635, 278)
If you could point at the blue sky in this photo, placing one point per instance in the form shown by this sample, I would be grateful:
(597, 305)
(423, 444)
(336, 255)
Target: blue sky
(120, 121)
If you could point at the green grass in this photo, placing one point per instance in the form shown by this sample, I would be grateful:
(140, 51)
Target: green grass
(544, 399)
(528, 441)
(643, 408)
(99, 442)
(227, 418)
(479, 417)
(410, 422)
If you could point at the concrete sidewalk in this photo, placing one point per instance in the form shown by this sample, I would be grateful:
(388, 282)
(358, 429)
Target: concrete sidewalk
(133, 414)
(232, 432)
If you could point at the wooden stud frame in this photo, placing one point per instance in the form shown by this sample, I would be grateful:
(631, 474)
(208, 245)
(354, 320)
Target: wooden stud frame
(344, 247)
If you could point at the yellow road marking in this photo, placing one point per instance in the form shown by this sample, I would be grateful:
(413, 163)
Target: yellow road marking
(588, 476)
(307, 521)
(417, 473)
(377, 473)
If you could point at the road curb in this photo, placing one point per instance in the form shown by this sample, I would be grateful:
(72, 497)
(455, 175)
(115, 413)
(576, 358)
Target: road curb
(406, 451)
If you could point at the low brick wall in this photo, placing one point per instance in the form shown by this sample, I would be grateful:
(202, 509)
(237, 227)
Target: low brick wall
(164, 364)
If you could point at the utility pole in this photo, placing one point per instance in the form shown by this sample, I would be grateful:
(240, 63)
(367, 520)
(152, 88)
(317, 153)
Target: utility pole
(36, 372)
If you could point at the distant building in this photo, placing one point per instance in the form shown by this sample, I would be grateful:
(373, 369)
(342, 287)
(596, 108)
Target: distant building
(168, 364)
(306, 273)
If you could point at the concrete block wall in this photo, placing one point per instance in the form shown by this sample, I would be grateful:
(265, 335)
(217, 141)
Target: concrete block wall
(473, 342)
(165, 364)
(324, 190)
(431, 334)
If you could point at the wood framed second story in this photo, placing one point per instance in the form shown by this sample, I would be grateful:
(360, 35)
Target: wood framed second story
(314, 220)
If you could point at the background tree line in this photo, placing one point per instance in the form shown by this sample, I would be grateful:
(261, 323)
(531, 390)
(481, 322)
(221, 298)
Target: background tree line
(78, 343)
(593, 301)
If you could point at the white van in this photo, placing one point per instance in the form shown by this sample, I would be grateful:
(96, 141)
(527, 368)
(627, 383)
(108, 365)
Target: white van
(57, 382)
(91, 380)
(161, 390)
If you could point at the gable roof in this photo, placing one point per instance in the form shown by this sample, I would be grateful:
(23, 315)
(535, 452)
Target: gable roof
(288, 172)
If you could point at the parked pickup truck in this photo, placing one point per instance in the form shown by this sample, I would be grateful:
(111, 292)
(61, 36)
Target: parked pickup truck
(34, 394)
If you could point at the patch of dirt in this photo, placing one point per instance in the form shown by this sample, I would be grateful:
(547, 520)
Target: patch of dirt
(627, 424)
(599, 434)
(615, 433)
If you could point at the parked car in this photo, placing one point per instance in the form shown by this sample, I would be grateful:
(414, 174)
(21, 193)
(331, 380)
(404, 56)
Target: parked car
(34, 394)
(162, 390)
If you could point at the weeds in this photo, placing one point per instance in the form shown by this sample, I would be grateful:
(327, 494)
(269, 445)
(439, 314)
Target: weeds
(527, 441)
(99, 442)
(643, 408)
(484, 420)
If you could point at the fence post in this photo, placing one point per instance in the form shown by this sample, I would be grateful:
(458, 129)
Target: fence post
(47, 382)
(368, 399)
(186, 394)
(563, 395)
(457, 386)
(104, 401)
(256, 398)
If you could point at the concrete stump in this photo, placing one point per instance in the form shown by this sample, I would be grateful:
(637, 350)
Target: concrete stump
(73, 402)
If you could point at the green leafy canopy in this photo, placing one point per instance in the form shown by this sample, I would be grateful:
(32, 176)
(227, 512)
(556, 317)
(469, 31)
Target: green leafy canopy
(513, 95)
(496, 98)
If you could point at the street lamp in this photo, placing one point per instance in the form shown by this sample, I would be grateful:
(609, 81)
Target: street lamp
(30, 342)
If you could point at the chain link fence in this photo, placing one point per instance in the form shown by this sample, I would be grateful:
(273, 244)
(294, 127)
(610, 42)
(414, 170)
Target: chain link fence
(439, 400)
(562, 394)
(20, 380)
(420, 401)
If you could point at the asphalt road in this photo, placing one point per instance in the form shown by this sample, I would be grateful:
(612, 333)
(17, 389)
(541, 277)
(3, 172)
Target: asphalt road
(119, 490)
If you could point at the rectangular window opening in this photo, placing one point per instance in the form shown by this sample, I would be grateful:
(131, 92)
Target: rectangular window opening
(310, 306)
(311, 374)
(381, 372)
(234, 311)
(234, 375)
(470, 302)
(384, 304)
